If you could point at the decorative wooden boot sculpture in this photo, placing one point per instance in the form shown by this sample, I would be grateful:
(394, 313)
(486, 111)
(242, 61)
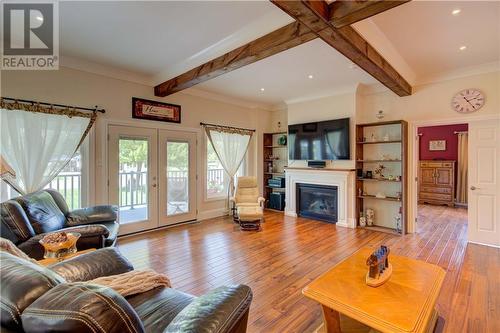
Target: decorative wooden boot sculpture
(380, 269)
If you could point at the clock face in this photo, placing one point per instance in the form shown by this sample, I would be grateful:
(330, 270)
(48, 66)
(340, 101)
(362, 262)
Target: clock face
(468, 100)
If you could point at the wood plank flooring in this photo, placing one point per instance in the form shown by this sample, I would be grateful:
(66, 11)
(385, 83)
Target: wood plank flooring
(290, 252)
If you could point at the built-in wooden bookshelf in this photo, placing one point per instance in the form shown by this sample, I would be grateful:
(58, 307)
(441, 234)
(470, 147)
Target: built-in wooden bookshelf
(275, 166)
(384, 143)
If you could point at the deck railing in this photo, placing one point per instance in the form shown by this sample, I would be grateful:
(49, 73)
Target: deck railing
(132, 185)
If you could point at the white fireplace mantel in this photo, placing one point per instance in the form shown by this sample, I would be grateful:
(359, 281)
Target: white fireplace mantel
(343, 179)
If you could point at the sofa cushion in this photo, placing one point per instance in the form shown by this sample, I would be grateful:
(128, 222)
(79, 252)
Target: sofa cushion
(81, 307)
(15, 224)
(42, 212)
(158, 307)
(22, 283)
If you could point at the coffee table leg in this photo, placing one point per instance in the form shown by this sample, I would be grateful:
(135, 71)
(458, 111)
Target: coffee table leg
(331, 319)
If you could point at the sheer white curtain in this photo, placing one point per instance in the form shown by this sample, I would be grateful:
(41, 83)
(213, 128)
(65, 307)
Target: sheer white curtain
(230, 145)
(38, 145)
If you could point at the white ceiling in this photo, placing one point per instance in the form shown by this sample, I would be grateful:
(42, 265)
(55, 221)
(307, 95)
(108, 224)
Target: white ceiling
(428, 36)
(285, 76)
(159, 40)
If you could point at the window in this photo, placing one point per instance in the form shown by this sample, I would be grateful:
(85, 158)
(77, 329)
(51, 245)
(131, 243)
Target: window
(69, 182)
(217, 179)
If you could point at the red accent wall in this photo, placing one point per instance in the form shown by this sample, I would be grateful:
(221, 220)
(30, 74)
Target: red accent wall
(440, 133)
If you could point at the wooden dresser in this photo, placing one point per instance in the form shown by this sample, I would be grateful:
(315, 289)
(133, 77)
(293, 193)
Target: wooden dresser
(436, 182)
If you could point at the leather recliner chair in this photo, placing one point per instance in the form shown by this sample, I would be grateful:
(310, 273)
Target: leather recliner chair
(26, 219)
(54, 299)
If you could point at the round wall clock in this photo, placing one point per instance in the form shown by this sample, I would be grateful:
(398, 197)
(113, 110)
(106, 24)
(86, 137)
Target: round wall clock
(468, 100)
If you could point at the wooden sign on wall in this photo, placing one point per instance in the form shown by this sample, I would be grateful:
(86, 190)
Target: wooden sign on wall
(153, 110)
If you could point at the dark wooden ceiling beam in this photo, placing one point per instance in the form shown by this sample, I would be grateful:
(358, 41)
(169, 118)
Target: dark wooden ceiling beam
(275, 42)
(346, 12)
(347, 41)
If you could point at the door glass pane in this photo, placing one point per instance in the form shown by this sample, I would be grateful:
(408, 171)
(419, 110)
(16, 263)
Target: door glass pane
(177, 178)
(133, 179)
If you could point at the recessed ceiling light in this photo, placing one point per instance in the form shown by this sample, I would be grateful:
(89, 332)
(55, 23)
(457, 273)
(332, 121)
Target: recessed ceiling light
(262, 89)
(310, 76)
(39, 18)
(456, 11)
(462, 48)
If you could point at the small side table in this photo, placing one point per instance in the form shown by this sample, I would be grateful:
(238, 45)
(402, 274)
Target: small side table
(51, 261)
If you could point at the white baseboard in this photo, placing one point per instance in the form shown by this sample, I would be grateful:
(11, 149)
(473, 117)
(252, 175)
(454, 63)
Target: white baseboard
(485, 244)
(292, 214)
(210, 214)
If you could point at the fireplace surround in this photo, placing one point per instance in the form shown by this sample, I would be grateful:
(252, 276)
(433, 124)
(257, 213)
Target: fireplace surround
(344, 180)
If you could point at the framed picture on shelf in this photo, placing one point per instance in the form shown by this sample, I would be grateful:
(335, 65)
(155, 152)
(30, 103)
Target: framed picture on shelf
(153, 110)
(437, 145)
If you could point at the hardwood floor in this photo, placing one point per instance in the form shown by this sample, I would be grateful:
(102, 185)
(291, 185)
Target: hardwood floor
(290, 252)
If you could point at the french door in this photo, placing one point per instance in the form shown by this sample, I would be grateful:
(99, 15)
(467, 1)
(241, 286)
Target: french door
(177, 177)
(152, 176)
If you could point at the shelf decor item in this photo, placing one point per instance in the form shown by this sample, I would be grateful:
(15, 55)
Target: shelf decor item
(379, 171)
(282, 140)
(380, 270)
(370, 217)
(362, 220)
(59, 244)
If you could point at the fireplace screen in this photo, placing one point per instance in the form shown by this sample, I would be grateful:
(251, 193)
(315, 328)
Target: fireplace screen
(318, 202)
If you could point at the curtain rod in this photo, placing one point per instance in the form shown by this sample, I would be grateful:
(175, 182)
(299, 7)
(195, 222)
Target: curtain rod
(238, 128)
(460, 132)
(56, 105)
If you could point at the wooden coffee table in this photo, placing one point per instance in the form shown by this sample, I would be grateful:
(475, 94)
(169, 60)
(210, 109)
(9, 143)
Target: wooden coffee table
(51, 261)
(405, 303)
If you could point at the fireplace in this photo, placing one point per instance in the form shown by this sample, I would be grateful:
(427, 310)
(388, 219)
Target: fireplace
(318, 202)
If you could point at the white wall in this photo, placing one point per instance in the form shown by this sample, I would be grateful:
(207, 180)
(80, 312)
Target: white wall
(74, 87)
(430, 101)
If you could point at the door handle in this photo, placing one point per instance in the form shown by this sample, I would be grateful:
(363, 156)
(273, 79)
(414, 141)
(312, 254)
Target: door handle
(154, 185)
(473, 188)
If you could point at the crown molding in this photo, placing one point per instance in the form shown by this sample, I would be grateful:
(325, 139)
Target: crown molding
(105, 70)
(226, 99)
(342, 90)
(485, 68)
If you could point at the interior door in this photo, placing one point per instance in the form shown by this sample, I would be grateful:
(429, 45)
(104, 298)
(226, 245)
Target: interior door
(132, 176)
(177, 178)
(484, 182)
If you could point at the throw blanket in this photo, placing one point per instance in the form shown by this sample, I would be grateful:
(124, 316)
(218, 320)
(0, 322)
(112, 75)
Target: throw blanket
(126, 284)
(134, 282)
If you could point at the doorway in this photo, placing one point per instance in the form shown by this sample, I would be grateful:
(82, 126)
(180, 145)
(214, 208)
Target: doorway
(151, 176)
(480, 185)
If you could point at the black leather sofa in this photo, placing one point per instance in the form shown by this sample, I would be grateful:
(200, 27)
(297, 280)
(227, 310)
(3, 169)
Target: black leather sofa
(26, 219)
(54, 299)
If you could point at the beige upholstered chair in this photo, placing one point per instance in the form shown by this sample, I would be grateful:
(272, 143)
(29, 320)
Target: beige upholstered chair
(249, 205)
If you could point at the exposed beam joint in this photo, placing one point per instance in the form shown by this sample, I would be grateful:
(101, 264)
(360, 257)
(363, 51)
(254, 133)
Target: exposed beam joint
(275, 42)
(347, 41)
(346, 12)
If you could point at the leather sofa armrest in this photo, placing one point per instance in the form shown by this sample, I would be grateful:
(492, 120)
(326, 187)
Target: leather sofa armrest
(224, 309)
(89, 266)
(81, 307)
(89, 215)
(92, 236)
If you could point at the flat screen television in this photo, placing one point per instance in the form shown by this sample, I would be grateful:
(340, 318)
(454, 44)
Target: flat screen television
(319, 141)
